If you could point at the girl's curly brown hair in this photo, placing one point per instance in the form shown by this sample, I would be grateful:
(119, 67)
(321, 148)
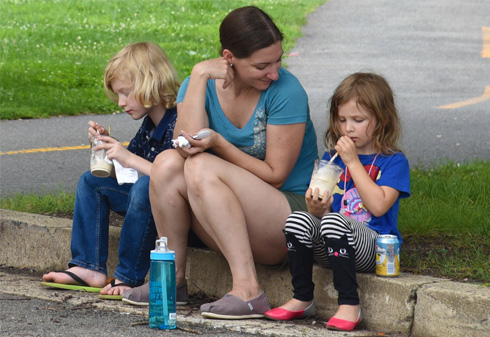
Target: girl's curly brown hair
(374, 94)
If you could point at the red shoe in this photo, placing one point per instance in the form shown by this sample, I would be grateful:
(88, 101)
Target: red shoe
(341, 324)
(281, 314)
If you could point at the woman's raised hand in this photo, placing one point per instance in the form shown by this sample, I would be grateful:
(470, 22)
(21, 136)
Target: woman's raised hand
(218, 69)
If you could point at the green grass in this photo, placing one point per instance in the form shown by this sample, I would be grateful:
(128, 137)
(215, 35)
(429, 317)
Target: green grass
(452, 198)
(53, 53)
(61, 204)
(445, 223)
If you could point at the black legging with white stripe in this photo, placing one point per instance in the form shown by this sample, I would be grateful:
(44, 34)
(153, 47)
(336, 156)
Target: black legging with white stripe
(310, 230)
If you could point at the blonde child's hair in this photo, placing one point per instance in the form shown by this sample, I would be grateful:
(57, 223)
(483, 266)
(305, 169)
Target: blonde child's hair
(374, 94)
(146, 66)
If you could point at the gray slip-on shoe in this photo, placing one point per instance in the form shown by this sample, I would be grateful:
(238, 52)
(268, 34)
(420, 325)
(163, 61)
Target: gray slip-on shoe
(138, 295)
(232, 307)
(141, 295)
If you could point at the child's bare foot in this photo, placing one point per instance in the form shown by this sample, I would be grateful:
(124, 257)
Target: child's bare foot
(348, 312)
(91, 277)
(116, 287)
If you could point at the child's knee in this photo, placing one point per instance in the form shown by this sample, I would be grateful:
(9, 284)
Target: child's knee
(139, 196)
(333, 223)
(142, 185)
(298, 219)
(88, 180)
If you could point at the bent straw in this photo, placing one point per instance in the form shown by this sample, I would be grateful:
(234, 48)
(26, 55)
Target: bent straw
(334, 156)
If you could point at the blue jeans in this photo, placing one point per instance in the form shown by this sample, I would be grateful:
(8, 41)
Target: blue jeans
(90, 234)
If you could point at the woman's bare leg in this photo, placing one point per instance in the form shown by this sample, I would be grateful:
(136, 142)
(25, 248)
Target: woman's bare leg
(171, 212)
(242, 216)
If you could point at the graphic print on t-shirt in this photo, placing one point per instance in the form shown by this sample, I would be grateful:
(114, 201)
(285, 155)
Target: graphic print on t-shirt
(351, 204)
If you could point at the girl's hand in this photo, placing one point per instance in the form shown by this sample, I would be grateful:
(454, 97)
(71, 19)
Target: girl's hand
(217, 68)
(316, 206)
(92, 131)
(347, 150)
(115, 150)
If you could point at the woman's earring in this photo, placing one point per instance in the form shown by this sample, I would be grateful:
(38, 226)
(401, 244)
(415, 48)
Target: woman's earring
(231, 65)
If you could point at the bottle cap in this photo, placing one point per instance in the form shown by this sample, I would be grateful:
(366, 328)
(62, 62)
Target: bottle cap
(161, 251)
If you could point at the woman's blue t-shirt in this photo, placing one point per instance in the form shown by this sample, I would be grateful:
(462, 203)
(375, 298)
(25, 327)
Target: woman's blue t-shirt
(284, 102)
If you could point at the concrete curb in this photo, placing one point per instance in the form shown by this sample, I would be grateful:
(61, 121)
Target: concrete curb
(409, 305)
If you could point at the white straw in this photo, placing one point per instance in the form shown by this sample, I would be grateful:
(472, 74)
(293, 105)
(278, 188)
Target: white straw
(334, 156)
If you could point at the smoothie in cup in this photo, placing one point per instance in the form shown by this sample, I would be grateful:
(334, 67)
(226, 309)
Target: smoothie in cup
(325, 176)
(100, 165)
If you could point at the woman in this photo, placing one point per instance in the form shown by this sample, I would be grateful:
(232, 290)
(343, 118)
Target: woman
(236, 188)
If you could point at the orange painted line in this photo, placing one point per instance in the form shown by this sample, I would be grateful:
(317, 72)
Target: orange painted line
(484, 97)
(485, 51)
(51, 149)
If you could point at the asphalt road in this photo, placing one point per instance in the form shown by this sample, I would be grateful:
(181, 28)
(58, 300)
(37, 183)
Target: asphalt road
(28, 309)
(431, 51)
(26, 316)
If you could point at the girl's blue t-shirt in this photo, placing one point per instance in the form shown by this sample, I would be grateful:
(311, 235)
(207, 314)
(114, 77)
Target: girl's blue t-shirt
(284, 102)
(386, 170)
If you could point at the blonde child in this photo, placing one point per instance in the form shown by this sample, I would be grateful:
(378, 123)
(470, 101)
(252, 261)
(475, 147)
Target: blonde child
(143, 82)
(340, 231)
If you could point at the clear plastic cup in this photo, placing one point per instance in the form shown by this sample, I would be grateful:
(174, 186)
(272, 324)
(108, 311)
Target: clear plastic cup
(325, 176)
(100, 165)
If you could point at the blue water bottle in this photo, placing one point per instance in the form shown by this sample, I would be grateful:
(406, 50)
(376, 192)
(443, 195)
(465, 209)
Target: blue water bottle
(163, 292)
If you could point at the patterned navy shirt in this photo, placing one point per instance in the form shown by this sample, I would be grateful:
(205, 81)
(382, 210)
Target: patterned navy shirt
(150, 141)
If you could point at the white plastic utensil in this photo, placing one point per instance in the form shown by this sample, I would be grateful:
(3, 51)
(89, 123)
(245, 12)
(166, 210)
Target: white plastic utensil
(202, 134)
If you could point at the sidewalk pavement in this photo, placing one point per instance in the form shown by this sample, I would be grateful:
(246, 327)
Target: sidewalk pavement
(407, 305)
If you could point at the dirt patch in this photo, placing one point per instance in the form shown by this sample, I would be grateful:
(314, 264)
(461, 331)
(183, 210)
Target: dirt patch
(446, 256)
